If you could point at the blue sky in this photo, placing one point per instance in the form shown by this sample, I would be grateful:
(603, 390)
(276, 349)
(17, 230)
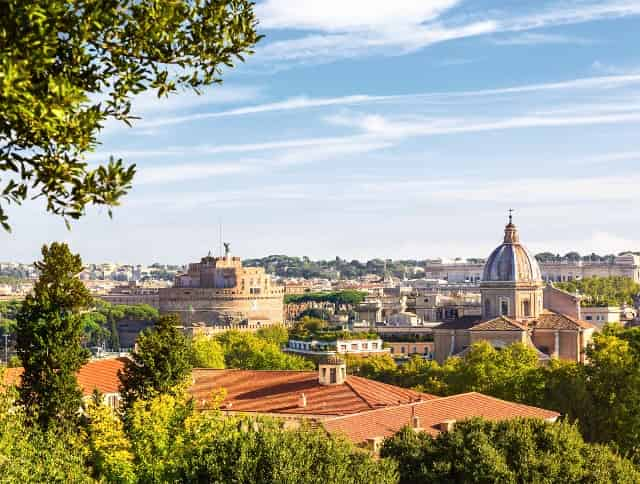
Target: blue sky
(404, 129)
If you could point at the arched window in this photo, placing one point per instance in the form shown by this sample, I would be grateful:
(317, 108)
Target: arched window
(487, 308)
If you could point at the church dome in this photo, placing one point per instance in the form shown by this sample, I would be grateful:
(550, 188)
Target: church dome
(511, 261)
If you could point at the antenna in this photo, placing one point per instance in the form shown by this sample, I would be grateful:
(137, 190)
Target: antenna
(220, 235)
(511, 215)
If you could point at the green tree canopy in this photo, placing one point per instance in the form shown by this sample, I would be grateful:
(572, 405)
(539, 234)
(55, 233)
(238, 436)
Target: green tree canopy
(161, 363)
(603, 291)
(66, 67)
(513, 451)
(248, 351)
(49, 334)
(275, 334)
(207, 353)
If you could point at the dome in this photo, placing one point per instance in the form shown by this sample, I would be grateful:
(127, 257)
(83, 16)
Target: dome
(511, 261)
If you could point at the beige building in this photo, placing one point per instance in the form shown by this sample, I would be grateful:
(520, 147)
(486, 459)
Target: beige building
(219, 290)
(602, 315)
(517, 307)
(410, 348)
(430, 305)
(456, 272)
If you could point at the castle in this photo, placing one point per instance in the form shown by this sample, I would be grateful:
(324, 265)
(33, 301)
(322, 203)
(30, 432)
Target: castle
(219, 291)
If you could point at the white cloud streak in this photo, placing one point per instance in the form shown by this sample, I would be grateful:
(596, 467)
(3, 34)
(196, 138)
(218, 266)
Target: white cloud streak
(302, 103)
(412, 25)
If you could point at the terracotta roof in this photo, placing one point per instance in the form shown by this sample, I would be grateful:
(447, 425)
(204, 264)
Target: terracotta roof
(98, 374)
(281, 391)
(387, 421)
(552, 320)
(501, 323)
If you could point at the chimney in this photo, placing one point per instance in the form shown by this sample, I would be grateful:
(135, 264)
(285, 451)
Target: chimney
(302, 402)
(415, 423)
(374, 444)
(446, 425)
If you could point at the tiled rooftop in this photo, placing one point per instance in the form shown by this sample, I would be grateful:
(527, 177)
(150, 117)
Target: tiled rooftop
(386, 422)
(552, 320)
(98, 374)
(281, 392)
(501, 323)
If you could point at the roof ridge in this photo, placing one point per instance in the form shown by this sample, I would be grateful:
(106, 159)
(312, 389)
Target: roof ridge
(261, 371)
(346, 382)
(408, 404)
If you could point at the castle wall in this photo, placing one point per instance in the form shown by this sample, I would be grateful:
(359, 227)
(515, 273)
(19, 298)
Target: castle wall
(217, 306)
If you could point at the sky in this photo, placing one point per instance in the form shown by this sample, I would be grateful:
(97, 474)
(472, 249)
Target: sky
(369, 128)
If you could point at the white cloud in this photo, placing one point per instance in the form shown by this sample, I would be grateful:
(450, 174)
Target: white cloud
(536, 38)
(148, 102)
(303, 102)
(286, 105)
(346, 29)
(394, 128)
(288, 153)
(340, 15)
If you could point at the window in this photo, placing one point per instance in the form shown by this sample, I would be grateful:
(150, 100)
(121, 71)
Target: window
(589, 318)
(354, 346)
(487, 307)
(343, 347)
(333, 377)
(402, 349)
(365, 346)
(324, 373)
(526, 308)
(504, 307)
(374, 346)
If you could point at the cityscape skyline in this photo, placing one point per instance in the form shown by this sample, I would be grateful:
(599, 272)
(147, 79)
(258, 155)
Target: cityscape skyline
(403, 134)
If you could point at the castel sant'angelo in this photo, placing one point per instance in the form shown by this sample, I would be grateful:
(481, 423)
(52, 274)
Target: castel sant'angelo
(220, 291)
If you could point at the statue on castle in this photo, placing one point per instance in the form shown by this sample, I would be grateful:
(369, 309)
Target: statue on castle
(227, 248)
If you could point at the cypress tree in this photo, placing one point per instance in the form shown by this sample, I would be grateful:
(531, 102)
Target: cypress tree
(49, 335)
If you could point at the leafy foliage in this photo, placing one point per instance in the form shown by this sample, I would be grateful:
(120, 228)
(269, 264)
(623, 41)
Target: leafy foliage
(610, 379)
(29, 453)
(161, 364)
(169, 442)
(338, 298)
(69, 66)
(511, 451)
(275, 334)
(250, 352)
(603, 291)
(49, 334)
(207, 353)
(286, 266)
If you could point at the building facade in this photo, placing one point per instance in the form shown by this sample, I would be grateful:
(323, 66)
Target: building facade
(219, 290)
(517, 307)
(458, 272)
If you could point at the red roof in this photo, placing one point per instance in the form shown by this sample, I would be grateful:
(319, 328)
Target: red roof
(280, 392)
(386, 422)
(97, 374)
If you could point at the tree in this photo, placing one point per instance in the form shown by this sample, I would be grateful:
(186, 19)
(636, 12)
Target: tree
(161, 363)
(69, 66)
(207, 353)
(275, 334)
(604, 291)
(521, 450)
(49, 334)
(249, 352)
